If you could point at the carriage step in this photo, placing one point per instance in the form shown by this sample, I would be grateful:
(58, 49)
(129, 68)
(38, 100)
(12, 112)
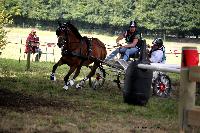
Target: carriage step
(123, 63)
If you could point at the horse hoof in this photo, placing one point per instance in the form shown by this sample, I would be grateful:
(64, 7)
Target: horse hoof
(53, 77)
(65, 87)
(78, 86)
(71, 82)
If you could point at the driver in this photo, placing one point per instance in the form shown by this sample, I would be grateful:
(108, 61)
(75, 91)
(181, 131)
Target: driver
(132, 46)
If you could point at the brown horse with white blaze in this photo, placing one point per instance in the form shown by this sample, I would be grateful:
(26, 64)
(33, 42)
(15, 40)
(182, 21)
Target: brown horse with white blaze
(77, 51)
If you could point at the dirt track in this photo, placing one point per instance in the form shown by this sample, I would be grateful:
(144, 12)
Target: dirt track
(20, 102)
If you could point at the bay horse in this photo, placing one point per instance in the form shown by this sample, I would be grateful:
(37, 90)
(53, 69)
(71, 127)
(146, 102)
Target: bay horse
(77, 51)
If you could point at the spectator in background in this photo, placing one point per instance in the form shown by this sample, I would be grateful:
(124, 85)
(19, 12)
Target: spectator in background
(32, 45)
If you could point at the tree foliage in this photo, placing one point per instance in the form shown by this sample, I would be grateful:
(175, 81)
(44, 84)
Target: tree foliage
(169, 15)
(4, 19)
(155, 15)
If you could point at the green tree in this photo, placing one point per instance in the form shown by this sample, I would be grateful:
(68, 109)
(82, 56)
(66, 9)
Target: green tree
(165, 16)
(12, 6)
(4, 20)
(168, 15)
(45, 9)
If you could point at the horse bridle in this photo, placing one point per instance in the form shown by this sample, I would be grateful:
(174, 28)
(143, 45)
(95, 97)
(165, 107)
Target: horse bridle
(62, 40)
(65, 39)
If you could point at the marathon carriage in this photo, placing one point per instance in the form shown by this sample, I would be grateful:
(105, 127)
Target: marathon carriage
(161, 83)
(78, 51)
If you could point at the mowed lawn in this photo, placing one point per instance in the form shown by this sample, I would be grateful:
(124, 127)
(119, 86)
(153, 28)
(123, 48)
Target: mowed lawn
(30, 102)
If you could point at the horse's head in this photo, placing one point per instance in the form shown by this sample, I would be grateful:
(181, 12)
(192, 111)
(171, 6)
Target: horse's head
(67, 34)
(61, 33)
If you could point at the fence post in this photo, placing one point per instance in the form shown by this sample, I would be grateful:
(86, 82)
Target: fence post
(54, 56)
(187, 88)
(20, 50)
(28, 60)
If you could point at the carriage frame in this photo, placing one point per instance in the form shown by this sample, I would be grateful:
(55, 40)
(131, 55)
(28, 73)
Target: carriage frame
(161, 83)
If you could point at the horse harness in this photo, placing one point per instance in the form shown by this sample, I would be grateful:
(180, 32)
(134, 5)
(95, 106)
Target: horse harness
(79, 54)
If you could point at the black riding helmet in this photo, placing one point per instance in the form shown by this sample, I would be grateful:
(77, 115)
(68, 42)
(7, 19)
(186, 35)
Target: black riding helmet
(158, 42)
(133, 23)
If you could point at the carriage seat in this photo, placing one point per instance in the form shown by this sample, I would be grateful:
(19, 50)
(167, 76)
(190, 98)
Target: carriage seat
(135, 56)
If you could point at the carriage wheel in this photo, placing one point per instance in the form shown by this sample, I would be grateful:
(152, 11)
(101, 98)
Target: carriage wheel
(98, 79)
(120, 80)
(162, 86)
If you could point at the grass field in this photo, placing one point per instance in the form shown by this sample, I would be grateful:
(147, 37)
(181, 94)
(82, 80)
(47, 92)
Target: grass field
(30, 102)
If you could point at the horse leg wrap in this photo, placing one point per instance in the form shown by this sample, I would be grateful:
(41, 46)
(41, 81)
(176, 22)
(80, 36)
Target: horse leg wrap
(80, 85)
(66, 87)
(53, 77)
(71, 82)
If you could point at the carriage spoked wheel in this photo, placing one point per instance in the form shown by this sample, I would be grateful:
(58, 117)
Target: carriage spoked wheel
(120, 80)
(162, 86)
(98, 79)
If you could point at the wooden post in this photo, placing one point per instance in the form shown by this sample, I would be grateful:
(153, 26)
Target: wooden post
(54, 56)
(186, 97)
(187, 88)
(20, 51)
(28, 60)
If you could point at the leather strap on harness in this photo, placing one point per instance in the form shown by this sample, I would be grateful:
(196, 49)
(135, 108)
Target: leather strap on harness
(89, 45)
(79, 54)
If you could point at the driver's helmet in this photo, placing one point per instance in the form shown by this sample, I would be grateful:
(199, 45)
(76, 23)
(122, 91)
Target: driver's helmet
(158, 42)
(132, 24)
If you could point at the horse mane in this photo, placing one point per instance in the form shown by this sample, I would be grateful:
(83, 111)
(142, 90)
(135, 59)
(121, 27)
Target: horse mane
(74, 30)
